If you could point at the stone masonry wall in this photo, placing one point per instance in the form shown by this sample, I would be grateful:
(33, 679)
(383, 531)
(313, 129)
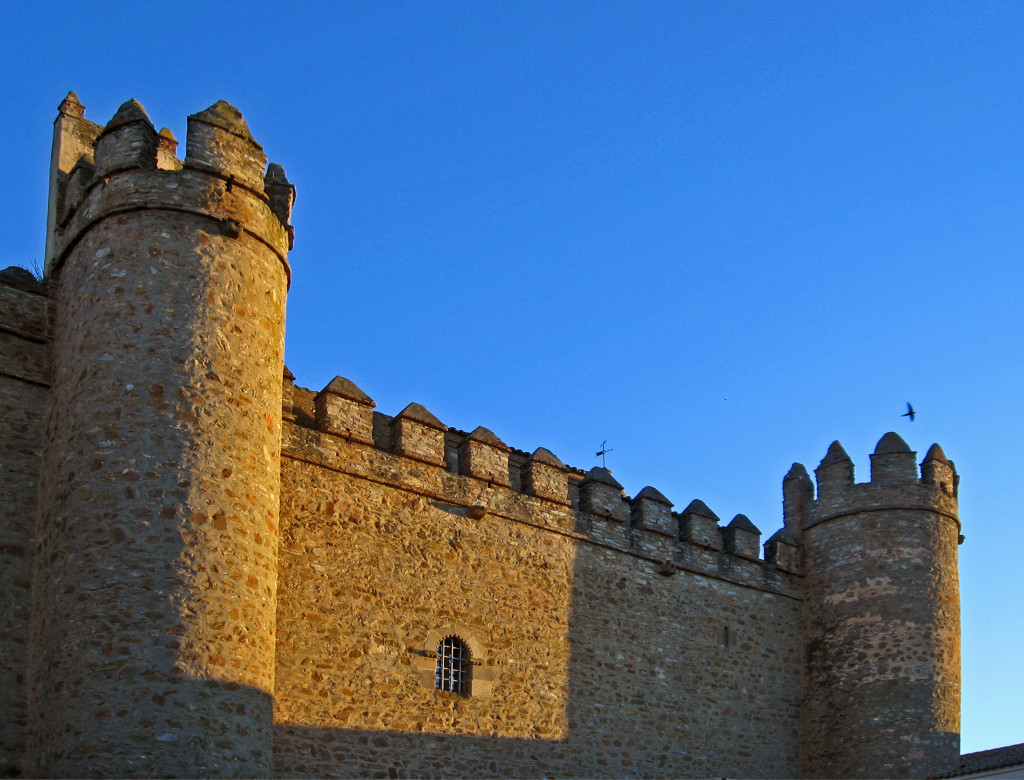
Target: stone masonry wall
(882, 618)
(152, 628)
(24, 385)
(587, 660)
(233, 576)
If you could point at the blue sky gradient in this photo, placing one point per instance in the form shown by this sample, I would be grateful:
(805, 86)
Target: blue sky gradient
(717, 235)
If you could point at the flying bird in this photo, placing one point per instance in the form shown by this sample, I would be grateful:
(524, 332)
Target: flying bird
(909, 413)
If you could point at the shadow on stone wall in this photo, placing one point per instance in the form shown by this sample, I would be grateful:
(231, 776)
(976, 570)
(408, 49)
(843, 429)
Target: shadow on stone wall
(655, 687)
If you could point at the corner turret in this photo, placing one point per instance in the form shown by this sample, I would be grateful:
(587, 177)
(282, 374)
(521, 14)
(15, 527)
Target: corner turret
(881, 616)
(161, 471)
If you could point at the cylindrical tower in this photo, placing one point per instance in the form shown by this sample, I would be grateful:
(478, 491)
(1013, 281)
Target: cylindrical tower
(154, 595)
(882, 617)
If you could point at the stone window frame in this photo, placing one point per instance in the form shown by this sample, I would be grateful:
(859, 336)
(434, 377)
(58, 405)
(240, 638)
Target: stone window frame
(454, 666)
(481, 674)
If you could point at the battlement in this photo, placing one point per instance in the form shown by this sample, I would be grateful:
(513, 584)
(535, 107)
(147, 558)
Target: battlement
(896, 483)
(294, 563)
(98, 171)
(482, 474)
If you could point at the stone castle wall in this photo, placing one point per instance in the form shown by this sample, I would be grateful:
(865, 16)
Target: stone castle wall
(587, 653)
(24, 385)
(234, 576)
(156, 566)
(882, 616)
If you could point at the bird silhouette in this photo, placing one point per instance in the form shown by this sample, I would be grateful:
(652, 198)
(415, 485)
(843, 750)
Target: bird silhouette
(909, 413)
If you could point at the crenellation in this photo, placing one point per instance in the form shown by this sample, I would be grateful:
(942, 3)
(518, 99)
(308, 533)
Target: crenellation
(74, 137)
(308, 555)
(939, 472)
(797, 497)
(281, 193)
(167, 151)
(343, 409)
(893, 462)
(653, 530)
(896, 483)
(601, 495)
(545, 476)
(741, 537)
(484, 456)
(698, 525)
(834, 474)
(129, 141)
(218, 140)
(645, 526)
(782, 550)
(417, 434)
(651, 511)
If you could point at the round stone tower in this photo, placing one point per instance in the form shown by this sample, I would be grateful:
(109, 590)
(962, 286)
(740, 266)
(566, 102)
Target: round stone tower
(154, 595)
(882, 617)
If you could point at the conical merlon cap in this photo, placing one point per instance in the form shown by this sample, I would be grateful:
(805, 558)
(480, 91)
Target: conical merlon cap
(487, 436)
(421, 414)
(602, 475)
(742, 522)
(224, 115)
(276, 174)
(835, 454)
(347, 389)
(545, 456)
(698, 507)
(935, 453)
(797, 471)
(653, 494)
(130, 111)
(71, 105)
(891, 444)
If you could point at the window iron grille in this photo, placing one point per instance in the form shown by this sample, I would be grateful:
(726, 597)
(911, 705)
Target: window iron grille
(452, 666)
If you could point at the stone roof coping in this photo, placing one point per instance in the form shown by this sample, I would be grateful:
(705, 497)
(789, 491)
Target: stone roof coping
(988, 760)
(935, 453)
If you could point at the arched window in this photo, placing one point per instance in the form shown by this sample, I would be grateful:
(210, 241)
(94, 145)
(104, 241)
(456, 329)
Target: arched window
(452, 666)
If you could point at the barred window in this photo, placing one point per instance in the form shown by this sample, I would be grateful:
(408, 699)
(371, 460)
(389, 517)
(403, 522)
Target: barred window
(452, 666)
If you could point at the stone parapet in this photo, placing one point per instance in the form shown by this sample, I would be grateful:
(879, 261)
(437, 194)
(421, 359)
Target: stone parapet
(23, 327)
(223, 182)
(415, 451)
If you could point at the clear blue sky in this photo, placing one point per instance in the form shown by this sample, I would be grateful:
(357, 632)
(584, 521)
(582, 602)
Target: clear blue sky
(576, 222)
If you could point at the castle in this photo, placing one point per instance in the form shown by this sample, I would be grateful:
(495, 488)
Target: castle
(211, 571)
